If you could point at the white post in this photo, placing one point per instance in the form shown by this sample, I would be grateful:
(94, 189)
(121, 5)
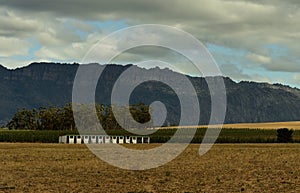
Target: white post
(78, 139)
(64, 139)
(134, 140)
(93, 139)
(127, 139)
(100, 139)
(107, 139)
(71, 139)
(114, 139)
(121, 139)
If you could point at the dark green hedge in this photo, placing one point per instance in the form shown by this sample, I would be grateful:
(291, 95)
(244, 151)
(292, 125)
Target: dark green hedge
(160, 136)
(32, 136)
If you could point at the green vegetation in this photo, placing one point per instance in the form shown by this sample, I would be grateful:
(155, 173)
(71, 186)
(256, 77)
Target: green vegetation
(32, 136)
(47, 124)
(284, 135)
(228, 136)
(55, 118)
(160, 136)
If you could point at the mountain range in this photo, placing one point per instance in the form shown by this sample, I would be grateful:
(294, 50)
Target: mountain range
(46, 84)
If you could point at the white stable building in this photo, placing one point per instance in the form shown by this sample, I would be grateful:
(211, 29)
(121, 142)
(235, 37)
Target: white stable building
(99, 139)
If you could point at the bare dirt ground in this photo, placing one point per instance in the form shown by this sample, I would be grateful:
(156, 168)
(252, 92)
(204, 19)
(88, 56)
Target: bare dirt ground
(225, 168)
(270, 125)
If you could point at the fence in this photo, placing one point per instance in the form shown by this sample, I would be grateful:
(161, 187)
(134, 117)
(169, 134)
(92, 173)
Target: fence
(99, 139)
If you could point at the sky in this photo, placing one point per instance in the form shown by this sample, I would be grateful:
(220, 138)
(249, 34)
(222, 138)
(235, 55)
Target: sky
(250, 40)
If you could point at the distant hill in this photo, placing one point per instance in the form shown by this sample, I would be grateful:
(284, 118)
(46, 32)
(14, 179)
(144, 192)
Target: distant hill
(43, 84)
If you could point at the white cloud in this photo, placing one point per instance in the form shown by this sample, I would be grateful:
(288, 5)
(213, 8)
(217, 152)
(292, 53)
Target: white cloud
(13, 25)
(13, 46)
(259, 58)
(241, 24)
(296, 79)
(72, 51)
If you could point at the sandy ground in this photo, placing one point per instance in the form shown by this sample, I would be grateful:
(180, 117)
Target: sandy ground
(271, 125)
(225, 168)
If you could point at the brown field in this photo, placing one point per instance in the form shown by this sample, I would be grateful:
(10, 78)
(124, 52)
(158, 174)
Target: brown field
(271, 125)
(225, 168)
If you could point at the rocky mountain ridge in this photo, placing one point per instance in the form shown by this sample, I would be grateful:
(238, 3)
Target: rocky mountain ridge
(44, 84)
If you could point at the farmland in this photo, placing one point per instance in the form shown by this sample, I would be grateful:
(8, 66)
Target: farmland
(243, 160)
(35, 167)
(295, 125)
(227, 135)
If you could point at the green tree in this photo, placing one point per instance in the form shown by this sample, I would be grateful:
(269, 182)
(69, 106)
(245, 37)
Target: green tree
(50, 118)
(140, 112)
(54, 118)
(66, 121)
(23, 119)
(284, 135)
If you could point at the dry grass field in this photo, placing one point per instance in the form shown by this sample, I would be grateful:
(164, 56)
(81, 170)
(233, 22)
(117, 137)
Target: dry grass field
(29, 167)
(270, 125)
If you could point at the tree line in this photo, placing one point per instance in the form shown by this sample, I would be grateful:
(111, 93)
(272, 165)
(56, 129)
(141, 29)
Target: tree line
(61, 118)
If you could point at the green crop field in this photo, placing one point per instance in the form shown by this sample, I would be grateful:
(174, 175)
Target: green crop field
(159, 136)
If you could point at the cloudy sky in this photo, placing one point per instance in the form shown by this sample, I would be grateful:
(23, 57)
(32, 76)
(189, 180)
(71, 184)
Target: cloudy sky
(250, 40)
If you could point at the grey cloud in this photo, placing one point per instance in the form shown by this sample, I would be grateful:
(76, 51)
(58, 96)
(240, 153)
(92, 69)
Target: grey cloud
(283, 64)
(89, 9)
(240, 24)
(14, 25)
(234, 72)
(238, 74)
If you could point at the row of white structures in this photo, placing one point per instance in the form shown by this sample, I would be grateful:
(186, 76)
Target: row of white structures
(98, 139)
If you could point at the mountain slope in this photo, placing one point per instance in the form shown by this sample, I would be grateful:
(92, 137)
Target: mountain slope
(42, 84)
